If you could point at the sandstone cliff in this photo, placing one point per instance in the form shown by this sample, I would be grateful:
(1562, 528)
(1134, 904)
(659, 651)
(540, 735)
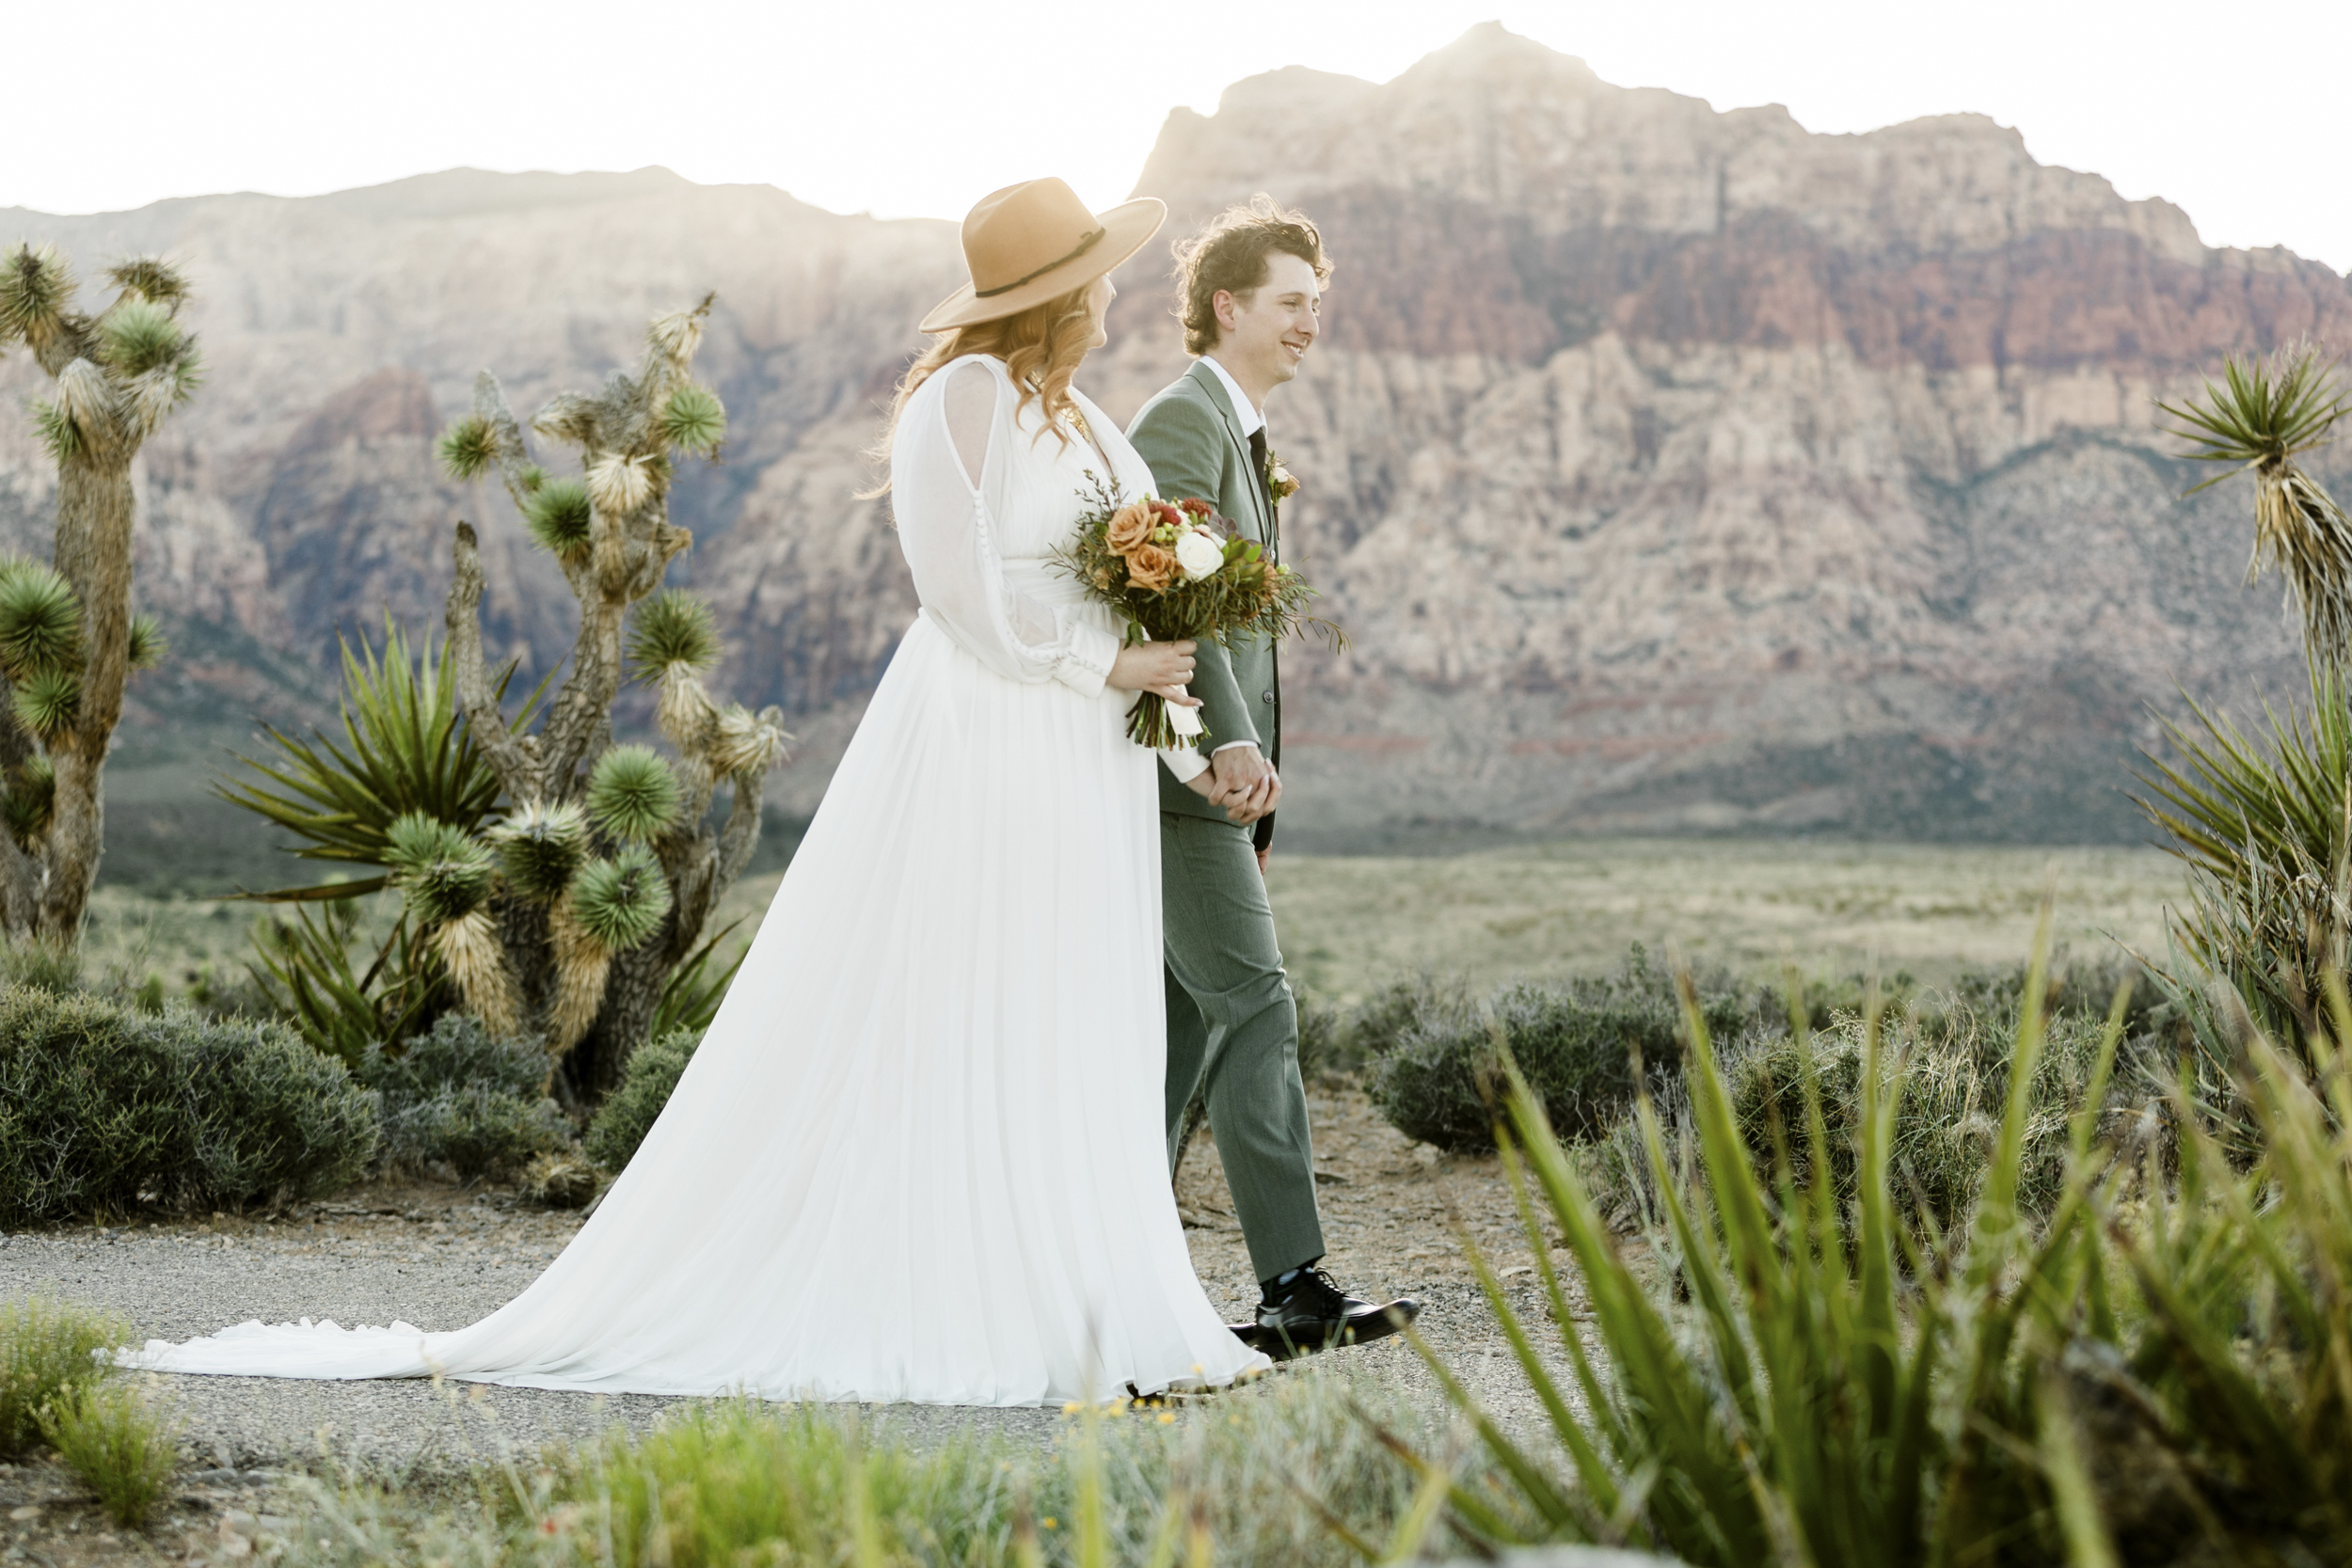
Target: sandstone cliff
(1671, 468)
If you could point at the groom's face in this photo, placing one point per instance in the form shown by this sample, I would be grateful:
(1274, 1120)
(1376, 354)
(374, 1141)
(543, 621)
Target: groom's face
(1265, 333)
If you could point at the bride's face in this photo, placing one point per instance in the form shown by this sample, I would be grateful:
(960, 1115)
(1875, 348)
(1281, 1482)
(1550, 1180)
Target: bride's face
(1099, 307)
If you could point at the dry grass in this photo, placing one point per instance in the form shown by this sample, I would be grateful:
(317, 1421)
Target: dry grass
(1350, 926)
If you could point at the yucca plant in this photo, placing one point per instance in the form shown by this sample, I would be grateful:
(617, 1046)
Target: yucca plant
(2258, 421)
(405, 749)
(2263, 825)
(1820, 1384)
(303, 963)
(69, 642)
(2264, 830)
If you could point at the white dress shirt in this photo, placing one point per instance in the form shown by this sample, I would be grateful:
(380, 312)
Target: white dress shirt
(1251, 422)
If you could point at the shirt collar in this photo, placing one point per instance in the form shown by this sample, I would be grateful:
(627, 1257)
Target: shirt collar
(1244, 410)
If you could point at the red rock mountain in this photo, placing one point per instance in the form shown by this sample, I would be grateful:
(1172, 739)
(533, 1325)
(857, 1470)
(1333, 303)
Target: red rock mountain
(1671, 469)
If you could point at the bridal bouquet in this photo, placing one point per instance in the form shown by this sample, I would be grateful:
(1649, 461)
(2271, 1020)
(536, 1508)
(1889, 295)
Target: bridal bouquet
(1176, 569)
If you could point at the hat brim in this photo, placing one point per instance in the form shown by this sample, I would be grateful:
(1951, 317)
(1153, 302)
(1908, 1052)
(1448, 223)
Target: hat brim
(1126, 227)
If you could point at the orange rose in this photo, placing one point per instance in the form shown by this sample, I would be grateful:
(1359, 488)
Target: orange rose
(1151, 566)
(1130, 526)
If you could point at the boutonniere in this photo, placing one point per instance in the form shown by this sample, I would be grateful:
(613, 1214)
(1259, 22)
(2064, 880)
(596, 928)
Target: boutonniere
(1278, 480)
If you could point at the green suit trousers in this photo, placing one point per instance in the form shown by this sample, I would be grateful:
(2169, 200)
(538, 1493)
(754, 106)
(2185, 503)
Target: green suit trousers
(1233, 1035)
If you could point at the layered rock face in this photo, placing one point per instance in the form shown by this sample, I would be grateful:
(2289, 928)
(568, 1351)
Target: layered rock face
(1670, 470)
(1684, 469)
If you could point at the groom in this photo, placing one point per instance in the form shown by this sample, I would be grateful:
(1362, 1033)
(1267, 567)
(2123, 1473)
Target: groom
(1252, 289)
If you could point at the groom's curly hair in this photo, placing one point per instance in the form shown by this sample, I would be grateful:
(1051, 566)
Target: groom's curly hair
(1230, 254)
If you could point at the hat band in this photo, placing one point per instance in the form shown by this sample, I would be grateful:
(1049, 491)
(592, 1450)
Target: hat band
(1084, 245)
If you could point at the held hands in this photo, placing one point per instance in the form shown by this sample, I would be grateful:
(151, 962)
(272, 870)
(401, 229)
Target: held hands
(1161, 667)
(1241, 781)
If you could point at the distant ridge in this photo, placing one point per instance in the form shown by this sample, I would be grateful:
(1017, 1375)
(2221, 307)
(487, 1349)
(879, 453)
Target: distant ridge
(1673, 470)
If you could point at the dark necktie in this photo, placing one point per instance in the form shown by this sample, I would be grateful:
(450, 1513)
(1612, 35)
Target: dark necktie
(1265, 491)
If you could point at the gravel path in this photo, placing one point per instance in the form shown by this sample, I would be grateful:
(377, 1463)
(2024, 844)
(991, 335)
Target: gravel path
(441, 1257)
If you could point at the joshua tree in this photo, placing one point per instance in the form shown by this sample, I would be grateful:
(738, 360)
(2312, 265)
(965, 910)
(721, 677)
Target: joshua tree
(67, 639)
(569, 912)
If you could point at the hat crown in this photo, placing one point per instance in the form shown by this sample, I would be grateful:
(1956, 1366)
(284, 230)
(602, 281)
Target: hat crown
(1013, 234)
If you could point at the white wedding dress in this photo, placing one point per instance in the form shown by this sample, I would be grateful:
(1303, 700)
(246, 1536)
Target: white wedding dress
(917, 1156)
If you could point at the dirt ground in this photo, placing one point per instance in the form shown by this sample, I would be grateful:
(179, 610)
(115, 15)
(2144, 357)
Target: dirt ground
(1391, 1209)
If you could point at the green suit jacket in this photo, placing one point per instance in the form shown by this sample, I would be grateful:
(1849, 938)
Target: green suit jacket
(1191, 438)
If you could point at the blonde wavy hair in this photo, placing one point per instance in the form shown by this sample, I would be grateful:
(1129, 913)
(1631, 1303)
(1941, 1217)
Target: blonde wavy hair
(1041, 346)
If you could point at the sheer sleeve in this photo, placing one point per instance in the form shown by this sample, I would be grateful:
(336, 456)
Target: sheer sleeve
(950, 544)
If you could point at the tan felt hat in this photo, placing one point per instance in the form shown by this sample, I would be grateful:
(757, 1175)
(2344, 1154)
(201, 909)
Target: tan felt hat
(1030, 242)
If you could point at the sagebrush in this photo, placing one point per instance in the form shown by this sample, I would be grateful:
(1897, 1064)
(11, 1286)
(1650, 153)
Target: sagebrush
(461, 1097)
(105, 1109)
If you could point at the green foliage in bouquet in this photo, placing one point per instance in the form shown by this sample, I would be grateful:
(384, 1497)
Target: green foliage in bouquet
(1174, 571)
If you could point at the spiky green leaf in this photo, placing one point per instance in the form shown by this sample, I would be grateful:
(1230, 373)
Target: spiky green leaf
(48, 701)
(442, 871)
(60, 436)
(2260, 413)
(30, 801)
(673, 630)
(40, 619)
(539, 849)
(149, 647)
(405, 747)
(621, 901)
(137, 337)
(468, 447)
(695, 419)
(35, 285)
(149, 278)
(559, 516)
(632, 795)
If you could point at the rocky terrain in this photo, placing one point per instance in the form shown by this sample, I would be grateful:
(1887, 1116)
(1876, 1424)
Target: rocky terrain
(1672, 469)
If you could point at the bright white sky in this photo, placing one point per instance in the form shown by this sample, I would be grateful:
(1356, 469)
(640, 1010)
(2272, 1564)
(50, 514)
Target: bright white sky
(912, 107)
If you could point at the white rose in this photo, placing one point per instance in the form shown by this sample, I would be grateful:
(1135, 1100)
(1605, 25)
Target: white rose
(1198, 553)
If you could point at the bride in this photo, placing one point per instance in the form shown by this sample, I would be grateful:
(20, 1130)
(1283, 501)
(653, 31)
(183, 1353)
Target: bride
(916, 1156)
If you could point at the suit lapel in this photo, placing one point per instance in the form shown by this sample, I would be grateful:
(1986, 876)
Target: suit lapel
(1210, 382)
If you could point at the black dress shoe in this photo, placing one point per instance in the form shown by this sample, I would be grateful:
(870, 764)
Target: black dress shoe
(1315, 1314)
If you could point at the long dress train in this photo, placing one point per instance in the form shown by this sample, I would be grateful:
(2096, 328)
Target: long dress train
(917, 1154)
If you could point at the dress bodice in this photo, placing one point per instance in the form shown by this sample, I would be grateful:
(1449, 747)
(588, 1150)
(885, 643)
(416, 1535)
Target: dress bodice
(981, 548)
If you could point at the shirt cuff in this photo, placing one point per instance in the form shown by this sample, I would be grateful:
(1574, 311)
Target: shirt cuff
(1086, 666)
(1185, 761)
(1231, 744)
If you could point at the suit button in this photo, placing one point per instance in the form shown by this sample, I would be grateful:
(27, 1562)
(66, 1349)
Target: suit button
(1267, 699)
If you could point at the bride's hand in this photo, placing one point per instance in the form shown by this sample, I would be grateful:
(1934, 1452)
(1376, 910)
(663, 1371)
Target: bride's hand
(1161, 667)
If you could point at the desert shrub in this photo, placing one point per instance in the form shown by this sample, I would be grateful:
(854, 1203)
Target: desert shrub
(103, 1108)
(123, 1447)
(462, 1097)
(48, 1352)
(1955, 1052)
(628, 1112)
(2083, 988)
(1954, 1082)
(1577, 1040)
(2148, 1371)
